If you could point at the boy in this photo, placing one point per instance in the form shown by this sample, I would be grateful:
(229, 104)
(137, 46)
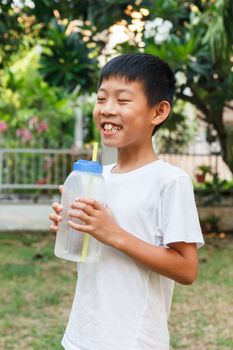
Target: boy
(149, 228)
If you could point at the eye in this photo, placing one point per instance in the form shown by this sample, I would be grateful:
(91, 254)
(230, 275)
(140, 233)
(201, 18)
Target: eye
(121, 100)
(101, 99)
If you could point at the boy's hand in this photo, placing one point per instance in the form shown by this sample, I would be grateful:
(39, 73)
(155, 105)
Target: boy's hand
(56, 218)
(97, 220)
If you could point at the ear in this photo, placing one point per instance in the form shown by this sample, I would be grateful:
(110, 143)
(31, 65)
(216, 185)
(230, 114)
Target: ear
(161, 112)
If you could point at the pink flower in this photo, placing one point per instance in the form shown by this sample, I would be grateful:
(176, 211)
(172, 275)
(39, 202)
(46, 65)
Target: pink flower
(18, 132)
(42, 126)
(41, 181)
(3, 126)
(24, 133)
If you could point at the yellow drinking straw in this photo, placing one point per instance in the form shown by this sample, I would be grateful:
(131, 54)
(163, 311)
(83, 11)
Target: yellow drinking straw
(95, 152)
(86, 235)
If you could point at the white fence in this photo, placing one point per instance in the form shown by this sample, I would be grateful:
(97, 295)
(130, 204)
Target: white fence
(44, 169)
(33, 169)
(190, 163)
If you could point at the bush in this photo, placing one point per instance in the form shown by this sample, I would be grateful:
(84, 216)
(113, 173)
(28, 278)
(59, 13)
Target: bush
(34, 113)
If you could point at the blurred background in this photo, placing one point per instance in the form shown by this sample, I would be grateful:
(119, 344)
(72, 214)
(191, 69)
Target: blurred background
(51, 53)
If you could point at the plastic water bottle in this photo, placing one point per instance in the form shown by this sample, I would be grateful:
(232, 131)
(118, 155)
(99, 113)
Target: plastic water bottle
(85, 180)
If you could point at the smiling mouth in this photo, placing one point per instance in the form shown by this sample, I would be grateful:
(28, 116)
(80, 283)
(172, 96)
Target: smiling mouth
(110, 127)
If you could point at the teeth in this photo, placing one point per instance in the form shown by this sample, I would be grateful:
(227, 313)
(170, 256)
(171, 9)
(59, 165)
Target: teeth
(111, 127)
(108, 127)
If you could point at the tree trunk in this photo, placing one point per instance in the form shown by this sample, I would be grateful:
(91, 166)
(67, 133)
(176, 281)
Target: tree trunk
(225, 135)
(215, 118)
(228, 142)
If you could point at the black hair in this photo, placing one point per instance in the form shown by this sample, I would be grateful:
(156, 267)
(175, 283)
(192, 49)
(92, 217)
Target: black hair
(155, 75)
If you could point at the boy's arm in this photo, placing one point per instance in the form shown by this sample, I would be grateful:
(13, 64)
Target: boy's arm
(178, 262)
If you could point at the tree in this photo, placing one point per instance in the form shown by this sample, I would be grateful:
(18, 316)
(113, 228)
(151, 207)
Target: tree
(60, 27)
(71, 42)
(34, 112)
(196, 39)
(65, 30)
(15, 26)
(66, 59)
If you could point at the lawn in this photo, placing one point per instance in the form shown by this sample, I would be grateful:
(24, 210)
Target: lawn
(36, 292)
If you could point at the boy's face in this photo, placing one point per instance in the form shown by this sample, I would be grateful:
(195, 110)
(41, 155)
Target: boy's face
(122, 114)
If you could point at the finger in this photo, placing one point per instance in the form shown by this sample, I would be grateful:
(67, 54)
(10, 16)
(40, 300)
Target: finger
(79, 215)
(57, 207)
(86, 208)
(52, 218)
(53, 228)
(77, 227)
(55, 218)
(61, 188)
(90, 201)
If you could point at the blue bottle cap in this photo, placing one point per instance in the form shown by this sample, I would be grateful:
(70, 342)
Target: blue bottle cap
(88, 166)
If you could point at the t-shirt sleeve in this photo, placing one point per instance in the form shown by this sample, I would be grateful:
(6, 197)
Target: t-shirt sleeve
(179, 220)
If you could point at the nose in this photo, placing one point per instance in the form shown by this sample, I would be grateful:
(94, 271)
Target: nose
(108, 109)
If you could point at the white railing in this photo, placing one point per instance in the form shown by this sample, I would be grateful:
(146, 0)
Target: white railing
(45, 169)
(190, 163)
(42, 169)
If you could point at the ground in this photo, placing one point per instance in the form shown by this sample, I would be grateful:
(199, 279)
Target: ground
(36, 292)
(200, 316)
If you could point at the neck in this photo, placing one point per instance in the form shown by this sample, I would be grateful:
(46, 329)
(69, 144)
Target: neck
(132, 158)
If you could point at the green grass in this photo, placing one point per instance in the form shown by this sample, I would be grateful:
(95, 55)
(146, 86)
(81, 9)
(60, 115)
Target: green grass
(37, 289)
(200, 316)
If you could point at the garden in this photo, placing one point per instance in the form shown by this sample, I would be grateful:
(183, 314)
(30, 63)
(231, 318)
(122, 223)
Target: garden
(37, 291)
(51, 53)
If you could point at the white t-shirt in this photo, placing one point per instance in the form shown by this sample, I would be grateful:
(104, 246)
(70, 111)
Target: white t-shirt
(119, 304)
